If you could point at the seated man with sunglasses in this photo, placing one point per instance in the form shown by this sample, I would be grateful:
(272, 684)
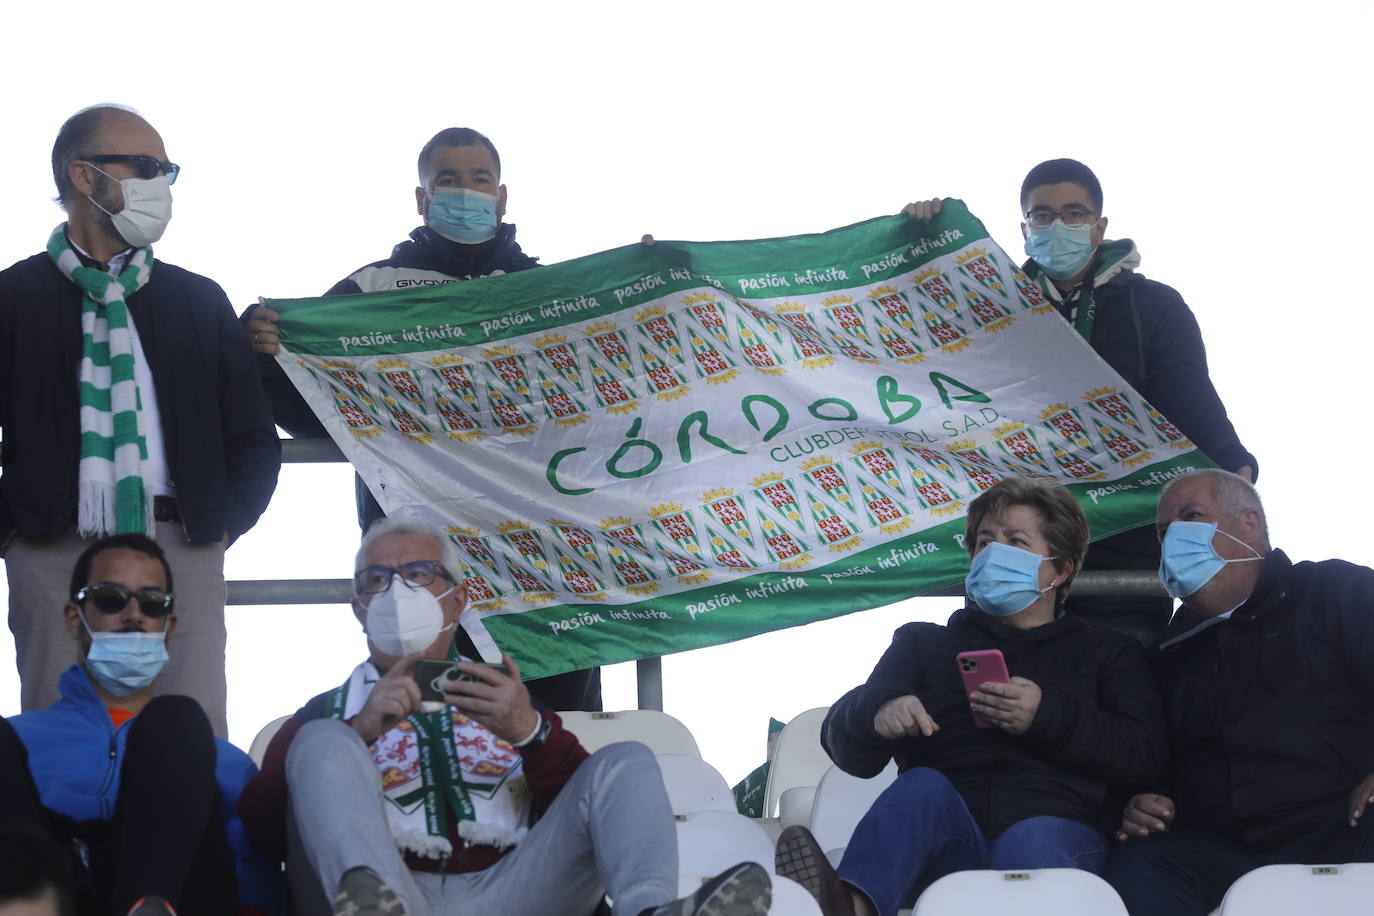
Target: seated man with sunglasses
(135, 787)
(409, 789)
(128, 402)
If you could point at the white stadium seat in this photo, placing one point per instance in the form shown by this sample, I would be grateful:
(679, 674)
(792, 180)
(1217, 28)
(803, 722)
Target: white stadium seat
(791, 899)
(1037, 892)
(258, 749)
(794, 806)
(694, 785)
(708, 842)
(798, 759)
(659, 731)
(841, 800)
(1331, 890)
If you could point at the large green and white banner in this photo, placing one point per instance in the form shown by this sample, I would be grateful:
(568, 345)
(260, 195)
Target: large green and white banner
(658, 448)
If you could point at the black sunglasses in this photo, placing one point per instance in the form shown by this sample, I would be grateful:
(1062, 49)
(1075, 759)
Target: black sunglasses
(145, 166)
(109, 598)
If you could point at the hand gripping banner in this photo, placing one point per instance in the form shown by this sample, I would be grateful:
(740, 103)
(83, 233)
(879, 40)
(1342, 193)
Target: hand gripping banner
(659, 448)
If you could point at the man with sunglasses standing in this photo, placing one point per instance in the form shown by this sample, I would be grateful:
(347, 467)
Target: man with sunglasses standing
(134, 787)
(1142, 329)
(129, 403)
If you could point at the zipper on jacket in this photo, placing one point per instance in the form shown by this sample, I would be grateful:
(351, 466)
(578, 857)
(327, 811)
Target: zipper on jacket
(111, 771)
(112, 767)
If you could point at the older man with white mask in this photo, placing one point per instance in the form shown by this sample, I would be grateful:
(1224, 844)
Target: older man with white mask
(475, 802)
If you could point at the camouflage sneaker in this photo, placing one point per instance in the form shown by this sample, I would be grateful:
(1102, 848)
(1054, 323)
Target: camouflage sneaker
(362, 892)
(741, 890)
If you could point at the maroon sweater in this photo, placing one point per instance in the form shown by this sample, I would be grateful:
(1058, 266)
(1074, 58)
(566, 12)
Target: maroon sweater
(262, 805)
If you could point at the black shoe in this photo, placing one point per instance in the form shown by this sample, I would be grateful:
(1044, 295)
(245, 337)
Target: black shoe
(152, 905)
(741, 890)
(801, 859)
(362, 892)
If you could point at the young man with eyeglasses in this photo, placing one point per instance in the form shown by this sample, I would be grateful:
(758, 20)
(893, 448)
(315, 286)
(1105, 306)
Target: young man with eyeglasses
(464, 236)
(1142, 329)
(134, 786)
(129, 403)
(479, 802)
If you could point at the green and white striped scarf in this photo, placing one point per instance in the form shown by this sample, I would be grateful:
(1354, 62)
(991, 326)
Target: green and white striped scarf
(114, 497)
(441, 765)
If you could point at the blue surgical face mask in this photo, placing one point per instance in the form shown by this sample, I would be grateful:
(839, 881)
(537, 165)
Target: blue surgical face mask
(1188, 560)
(1005, 580)
(464, 216)
(1060, 250)
(125, 663)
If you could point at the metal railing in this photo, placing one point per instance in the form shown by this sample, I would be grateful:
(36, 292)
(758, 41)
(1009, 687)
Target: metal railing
(649, 671)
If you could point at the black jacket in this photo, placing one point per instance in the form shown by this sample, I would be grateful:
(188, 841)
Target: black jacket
(425, 259)
(1146, 332)
(222, 452)
(1271, 713)
(1098, 733)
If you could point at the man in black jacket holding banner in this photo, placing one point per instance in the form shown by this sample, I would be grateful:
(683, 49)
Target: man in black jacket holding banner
(463, 202)
(1144, 330)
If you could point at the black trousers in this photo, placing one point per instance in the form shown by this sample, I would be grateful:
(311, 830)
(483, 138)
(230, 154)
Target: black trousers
(167, 835)
(1187, 872)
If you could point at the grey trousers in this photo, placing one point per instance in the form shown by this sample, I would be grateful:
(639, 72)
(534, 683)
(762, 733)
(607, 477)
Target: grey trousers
(39, 573)
(609, 831)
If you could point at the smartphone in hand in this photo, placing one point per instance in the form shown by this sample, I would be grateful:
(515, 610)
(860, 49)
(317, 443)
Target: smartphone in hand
(981, 667)
(431, 673)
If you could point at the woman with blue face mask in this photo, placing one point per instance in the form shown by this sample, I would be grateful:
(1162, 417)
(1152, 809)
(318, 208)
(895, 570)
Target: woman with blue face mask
(1039, 783)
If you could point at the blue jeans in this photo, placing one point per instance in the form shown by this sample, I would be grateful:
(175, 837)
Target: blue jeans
(1185, 872)
(919, 830)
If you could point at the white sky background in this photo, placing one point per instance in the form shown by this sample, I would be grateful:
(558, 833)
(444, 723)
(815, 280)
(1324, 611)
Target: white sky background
(1231, 140)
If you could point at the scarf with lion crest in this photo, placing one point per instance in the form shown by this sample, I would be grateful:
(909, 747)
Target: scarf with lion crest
(439, 765)
(114, 497)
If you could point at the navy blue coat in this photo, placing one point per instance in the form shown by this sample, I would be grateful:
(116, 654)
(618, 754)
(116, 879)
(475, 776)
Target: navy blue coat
(1271, 712)
(222, 450)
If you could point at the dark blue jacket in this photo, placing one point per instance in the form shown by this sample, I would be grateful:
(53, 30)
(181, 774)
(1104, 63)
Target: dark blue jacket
(1271, 712)
(222, 450)
(75, 756)
(425, 259)
(1146, 332)
(1097, 736)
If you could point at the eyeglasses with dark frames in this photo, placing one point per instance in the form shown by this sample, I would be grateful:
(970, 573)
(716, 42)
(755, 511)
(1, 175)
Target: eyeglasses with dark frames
(1072, 216)
(109, 598)
(373, 580)
(144, 166)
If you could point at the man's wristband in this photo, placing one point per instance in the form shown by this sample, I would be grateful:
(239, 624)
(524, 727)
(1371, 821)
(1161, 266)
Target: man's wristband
(536, 738)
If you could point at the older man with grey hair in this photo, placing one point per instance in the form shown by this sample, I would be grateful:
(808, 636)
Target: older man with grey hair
(1269, 689)
(430, 783)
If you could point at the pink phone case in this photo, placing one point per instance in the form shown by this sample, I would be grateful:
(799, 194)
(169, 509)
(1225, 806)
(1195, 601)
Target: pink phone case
(981, 667)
